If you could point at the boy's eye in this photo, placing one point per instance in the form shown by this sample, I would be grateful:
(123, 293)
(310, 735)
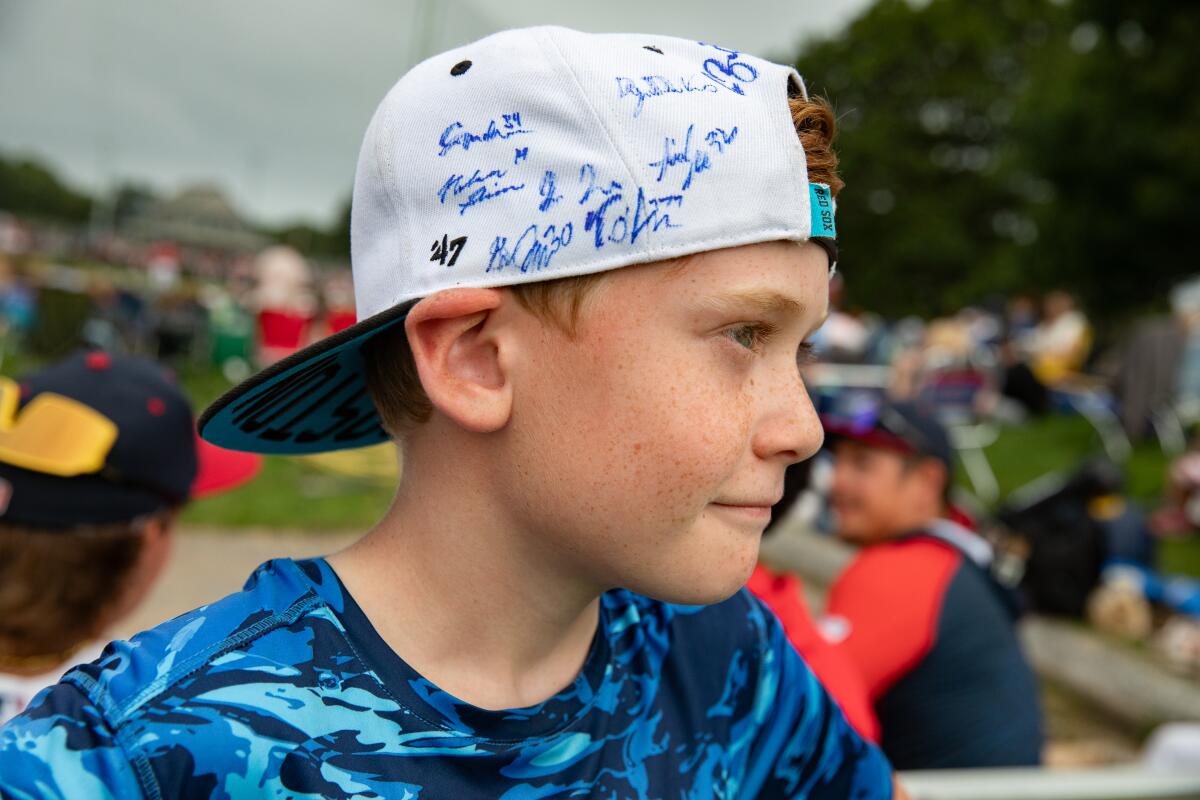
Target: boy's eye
(748, 336)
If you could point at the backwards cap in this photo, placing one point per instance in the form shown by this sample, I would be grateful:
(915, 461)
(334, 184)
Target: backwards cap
(530, 155)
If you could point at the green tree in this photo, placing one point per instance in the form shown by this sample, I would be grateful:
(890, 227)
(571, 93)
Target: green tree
(1112, 126)
(28, 188)
(931, 216)
(1018, 145)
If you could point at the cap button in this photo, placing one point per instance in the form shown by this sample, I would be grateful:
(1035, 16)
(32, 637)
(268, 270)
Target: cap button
(97, 360)
(156, 406)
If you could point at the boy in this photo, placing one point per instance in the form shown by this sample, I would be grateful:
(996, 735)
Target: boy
(97, 454)
(574, 447)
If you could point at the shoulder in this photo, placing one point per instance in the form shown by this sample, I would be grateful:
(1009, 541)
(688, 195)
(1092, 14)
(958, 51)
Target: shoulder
(786, 736)
(886, 607)
(130, 674)
(713, 659)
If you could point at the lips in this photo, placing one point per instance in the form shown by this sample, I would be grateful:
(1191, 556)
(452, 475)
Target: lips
(742, 505)
(748, 503)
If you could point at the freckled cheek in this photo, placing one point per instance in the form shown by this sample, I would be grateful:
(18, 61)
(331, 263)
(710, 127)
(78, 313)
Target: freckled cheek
(684, 443)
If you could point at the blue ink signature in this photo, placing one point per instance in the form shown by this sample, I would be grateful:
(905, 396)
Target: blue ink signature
(718, 138)
(697, 160)
(649, 215)
(548, 191)
(729, 72)
(533, 249)
(521, 154)
(657, 86)
(476, 187)
(455, 135)
(587, 174)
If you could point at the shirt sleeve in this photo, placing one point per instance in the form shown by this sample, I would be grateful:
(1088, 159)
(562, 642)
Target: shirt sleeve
(804, 748)
(62, 746)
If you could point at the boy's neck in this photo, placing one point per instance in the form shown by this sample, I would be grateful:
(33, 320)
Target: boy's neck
(474, 604)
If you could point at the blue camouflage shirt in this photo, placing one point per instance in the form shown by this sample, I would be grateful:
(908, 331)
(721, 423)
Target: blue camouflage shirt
(285, 690)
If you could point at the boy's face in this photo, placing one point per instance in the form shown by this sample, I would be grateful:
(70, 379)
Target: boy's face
(648, 450)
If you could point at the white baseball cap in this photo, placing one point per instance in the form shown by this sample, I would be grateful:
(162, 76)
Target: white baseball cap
(530, 155)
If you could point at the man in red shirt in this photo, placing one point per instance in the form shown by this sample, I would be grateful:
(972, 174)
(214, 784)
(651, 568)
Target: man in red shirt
(917, 611)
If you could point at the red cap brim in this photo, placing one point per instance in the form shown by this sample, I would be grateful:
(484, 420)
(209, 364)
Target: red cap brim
(221, 470)
(872, 437)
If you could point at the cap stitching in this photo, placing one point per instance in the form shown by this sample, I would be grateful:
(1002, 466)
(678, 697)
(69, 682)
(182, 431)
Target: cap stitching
(608, 134)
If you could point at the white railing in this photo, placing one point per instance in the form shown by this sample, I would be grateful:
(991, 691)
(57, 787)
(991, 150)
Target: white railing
(1105, 783)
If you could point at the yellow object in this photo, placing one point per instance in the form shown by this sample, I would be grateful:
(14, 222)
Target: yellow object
(376, 464)
(1055, 368)
(54, 435)
(1106, 507)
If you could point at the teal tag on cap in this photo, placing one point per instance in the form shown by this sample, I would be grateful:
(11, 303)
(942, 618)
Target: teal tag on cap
(822, 207)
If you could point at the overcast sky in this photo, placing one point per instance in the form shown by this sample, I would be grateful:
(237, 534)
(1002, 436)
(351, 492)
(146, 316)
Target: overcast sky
(268, 99)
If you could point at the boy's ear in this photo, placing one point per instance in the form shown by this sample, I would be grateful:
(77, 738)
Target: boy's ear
(457, 357)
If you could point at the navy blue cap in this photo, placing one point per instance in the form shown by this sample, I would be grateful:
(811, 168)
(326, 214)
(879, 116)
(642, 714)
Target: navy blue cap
(900, 426)
(152, 463)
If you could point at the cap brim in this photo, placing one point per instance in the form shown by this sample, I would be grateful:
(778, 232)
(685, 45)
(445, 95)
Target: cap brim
(871, 437)
(313, 401)
(220, 470)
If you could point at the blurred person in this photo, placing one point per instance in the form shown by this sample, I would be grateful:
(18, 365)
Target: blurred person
(1025, 395)
(984, 329)
(98, 453)
(284, 302)
(1156, 379)
(18, 303)
(337, 294)
(1179, 512)
(1059, 345)
(844, 337)
(1020, 316)
(917, 610)
(180, 324)
(906, 357)
(947, 343)
(101, 330)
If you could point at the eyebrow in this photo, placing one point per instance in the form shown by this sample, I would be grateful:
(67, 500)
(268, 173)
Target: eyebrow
(763, 302)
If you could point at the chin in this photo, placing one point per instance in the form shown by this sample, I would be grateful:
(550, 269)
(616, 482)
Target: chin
(696, 595)
(850, 536)
(702, 584)
(845, 529)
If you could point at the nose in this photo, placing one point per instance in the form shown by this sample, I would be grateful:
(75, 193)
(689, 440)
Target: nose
(790, 430)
